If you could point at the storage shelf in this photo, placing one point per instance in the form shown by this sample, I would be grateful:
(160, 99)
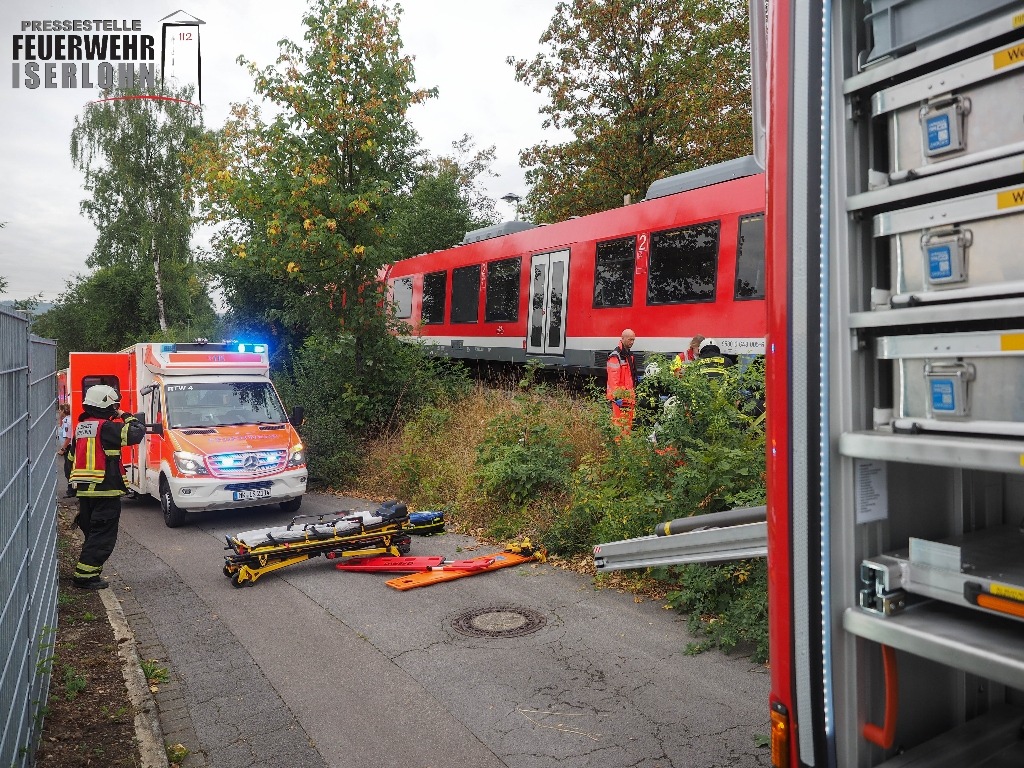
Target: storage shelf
(971, 641)
(940, 450)
(924, 57)
(938, 183)
(931, 314)
(989, 741)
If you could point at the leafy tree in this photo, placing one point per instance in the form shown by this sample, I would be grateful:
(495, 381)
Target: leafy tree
(131, 148)
(304, 197)
(445, 202)
(106, 311)
(648, 88)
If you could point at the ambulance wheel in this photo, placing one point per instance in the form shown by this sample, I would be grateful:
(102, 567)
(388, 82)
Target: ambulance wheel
(174, 516)
(292, 505)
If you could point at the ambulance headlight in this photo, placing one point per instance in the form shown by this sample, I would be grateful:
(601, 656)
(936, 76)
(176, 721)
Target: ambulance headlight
(189, 463)
(297, 457)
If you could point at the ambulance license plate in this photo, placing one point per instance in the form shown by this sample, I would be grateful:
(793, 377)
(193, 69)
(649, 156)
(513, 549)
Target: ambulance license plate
(251, 494)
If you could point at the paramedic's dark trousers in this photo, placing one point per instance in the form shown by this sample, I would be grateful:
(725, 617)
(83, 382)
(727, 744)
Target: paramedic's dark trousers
(98, 518)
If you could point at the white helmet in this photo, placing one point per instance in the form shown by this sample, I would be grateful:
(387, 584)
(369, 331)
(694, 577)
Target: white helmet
(101, 396)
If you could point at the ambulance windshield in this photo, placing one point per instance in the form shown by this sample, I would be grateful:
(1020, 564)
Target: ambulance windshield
(222, 404)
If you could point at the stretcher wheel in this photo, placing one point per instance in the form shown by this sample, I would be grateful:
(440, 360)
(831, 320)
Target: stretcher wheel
(237, 582)
(229, 572)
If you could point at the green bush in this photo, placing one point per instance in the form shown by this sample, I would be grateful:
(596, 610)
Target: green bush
(523, 456)
(352, 392)
(727, 604)
(702, 453)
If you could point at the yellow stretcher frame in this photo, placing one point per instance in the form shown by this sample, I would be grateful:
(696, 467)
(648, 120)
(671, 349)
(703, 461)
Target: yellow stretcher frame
(245, 568)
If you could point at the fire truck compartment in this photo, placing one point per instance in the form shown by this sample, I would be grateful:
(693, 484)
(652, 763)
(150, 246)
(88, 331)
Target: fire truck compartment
(964, 249)
(963, 114)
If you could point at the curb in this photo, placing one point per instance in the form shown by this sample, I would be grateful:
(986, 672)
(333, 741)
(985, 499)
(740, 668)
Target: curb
(147, 723)
(148, 732)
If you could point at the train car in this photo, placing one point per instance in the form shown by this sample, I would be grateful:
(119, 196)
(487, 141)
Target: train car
(687, 260)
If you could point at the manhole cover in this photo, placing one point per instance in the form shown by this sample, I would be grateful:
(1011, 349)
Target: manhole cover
(498, 621)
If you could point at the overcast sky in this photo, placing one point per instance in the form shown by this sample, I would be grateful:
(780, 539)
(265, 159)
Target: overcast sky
(460, 46)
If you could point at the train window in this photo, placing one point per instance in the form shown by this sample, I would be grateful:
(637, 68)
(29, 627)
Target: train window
(750, 258)
(683, 264)
(401, 294)
(433, 298)
(466, 294)
(613, 273)
(501, 304)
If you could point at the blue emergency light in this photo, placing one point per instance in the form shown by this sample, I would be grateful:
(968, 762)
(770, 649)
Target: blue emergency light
(257, 348)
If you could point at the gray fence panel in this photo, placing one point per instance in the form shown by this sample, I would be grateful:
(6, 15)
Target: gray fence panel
(28, 534)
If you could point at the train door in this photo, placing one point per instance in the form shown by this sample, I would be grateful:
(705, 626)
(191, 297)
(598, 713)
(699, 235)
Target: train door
(549, 279)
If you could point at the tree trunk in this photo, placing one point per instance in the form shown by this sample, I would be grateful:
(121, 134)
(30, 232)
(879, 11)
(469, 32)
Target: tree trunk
(161, 316)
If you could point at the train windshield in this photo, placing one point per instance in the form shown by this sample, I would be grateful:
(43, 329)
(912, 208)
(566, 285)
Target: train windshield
(211, 404)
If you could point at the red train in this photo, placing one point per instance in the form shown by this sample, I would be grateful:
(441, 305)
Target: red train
(689, 259)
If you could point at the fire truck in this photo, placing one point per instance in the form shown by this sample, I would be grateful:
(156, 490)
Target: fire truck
(217, 433)
(894, 527)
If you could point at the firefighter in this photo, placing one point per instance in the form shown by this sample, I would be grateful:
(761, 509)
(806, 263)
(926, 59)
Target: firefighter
(622, 380)
(711, 362)
(687, 356)
(98, 478)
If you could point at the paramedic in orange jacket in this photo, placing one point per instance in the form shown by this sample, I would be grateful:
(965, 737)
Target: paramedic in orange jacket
(622, 379)
(98, 478)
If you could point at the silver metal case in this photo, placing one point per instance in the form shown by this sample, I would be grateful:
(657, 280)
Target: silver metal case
(970, 243)
(966, 113)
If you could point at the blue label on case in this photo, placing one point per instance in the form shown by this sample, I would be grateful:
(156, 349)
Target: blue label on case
(940, 262)
(938, 132)
(943, 395)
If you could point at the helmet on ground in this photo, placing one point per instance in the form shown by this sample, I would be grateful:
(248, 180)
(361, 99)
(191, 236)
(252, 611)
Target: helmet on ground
(101, 396)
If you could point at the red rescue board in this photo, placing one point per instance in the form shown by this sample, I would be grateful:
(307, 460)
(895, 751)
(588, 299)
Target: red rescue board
(499, 560)
(412, 564)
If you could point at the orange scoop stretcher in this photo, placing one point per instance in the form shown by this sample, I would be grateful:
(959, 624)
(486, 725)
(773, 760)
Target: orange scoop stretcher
(412, 564)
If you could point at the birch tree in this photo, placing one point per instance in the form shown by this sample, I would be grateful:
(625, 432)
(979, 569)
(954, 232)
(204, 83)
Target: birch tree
(131, 149)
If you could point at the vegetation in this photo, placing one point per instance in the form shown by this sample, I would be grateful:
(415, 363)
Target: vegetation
(538, 461)
(303, 199)
(445, 202)
(131, 151)
(646, 88)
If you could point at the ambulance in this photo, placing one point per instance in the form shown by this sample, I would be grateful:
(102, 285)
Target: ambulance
(218, 436)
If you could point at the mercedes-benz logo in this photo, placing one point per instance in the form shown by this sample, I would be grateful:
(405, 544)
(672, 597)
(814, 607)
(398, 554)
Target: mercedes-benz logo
(251, 461)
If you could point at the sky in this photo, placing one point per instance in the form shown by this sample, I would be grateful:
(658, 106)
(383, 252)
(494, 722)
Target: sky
(459, 46)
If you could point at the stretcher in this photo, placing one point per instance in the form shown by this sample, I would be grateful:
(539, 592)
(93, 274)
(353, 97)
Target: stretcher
(335, 535)
(413, 564)
(516, 553)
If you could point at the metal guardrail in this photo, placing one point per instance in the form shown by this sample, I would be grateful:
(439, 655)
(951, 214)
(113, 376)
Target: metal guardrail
(734, 534)
(28, 535)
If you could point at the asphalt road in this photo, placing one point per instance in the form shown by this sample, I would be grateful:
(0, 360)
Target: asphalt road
(312, 666)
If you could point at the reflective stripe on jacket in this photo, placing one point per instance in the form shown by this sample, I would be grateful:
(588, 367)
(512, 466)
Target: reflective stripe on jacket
(620, 374)
(712, 367)
(97, 470)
